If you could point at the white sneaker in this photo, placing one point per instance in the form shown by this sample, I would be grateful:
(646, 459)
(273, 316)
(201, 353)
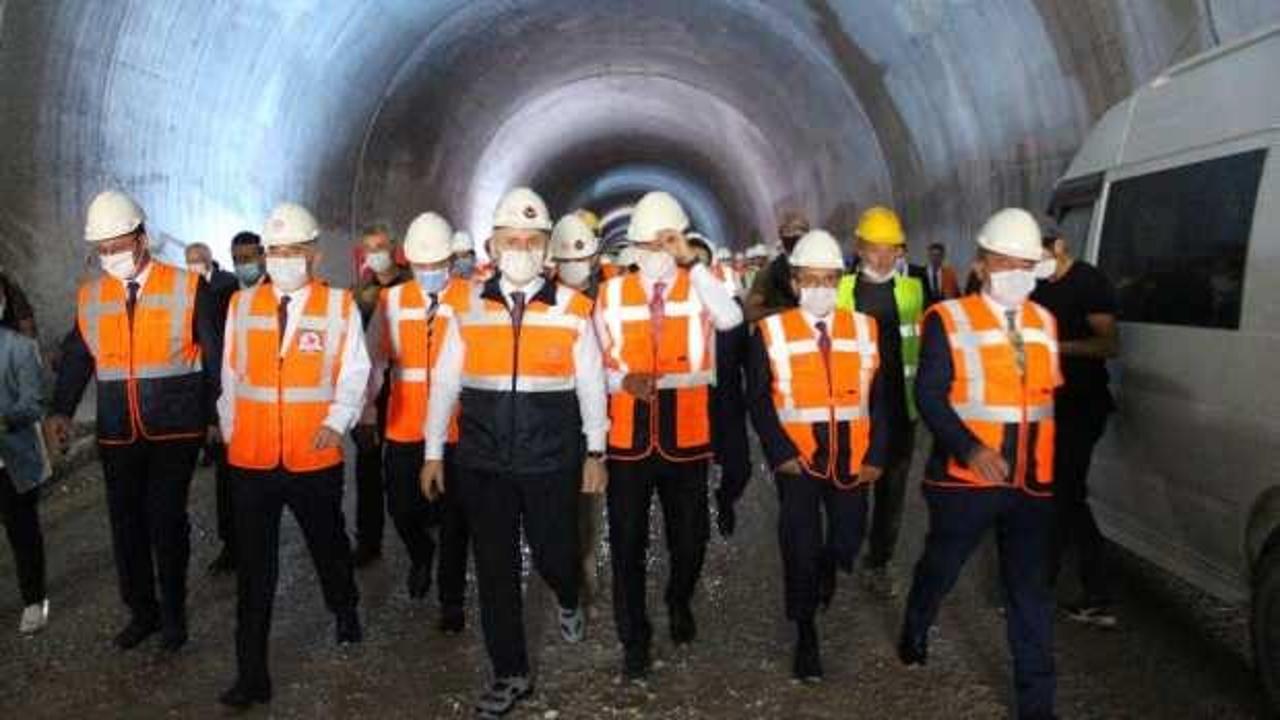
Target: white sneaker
(573, 625)
(34, 618)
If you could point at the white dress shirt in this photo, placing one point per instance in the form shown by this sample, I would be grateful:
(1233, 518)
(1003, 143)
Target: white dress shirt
(588, 369)
(348, 396)
(1002, 312)
(725, 312)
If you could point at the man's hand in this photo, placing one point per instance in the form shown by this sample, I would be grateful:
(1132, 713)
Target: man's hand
(870, 473)
(326, 439)
(366, 436)
(431, 479)
(595, 476)
(677, 245)
(790, 467)
(57, 432)
(642, 385)
(726, 516)
(988, 464)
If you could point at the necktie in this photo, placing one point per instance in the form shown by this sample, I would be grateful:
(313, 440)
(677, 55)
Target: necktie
(1015, 338)
(937, 287)
(282, 316)
(658, 308)
(132, 300)
(824, 341)
(517, 310)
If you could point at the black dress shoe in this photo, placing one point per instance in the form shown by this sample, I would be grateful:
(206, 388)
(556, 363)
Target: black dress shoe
(242, 696)
(683, 627)
(453, 619)
(419, 581)
(635, 662)
(366, 555)
(913, 651)
(826, 582)
(347, 631)
(135, 632)
(807, 663)
(224, 563)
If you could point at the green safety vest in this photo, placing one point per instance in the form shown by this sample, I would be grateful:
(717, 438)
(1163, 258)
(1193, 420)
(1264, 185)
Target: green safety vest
(909, 294)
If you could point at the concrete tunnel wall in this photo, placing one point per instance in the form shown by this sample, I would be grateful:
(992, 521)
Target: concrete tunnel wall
(212, 112)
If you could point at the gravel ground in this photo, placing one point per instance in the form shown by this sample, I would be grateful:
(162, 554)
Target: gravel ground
(1179, 655)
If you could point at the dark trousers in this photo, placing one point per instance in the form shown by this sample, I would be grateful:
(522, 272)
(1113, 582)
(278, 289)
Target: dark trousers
(22, 525)
(416, 518)
(682, 490)
(958, 519)
(370, 499)
(259, 498)
(497, 504)
(222, 473)
(889, 497)
(1079, 426)
(803, 501)
(147, 486)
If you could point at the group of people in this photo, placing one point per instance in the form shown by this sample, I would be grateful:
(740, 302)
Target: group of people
(519, 396)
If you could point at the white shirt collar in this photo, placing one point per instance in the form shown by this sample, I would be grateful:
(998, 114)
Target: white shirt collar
(529, 289)
(296, 297)
(813, 320)
(1000, 310)
(647, 282)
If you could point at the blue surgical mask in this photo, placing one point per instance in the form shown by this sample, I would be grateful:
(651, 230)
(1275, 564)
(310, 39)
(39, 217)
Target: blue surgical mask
(249, 273)
(463, 267)
(433, 281)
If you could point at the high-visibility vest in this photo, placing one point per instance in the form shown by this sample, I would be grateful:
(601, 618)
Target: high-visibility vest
(518, 409)
(412, 331)
(676, 425)
(282, 399)
(150, 379)
(1008, 410)
(908, 295)
(824, 407)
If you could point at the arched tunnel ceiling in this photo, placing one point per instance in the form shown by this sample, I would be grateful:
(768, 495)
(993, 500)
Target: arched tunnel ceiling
(378, 109)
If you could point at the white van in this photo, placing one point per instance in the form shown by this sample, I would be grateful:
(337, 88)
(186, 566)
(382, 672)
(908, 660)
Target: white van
(1177, 190)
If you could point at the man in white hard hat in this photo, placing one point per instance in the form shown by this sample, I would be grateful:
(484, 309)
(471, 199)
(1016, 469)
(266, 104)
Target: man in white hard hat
(293, 383)
(575, 250)
(988, 370)
(464, 255)
(657, 329)
(522, 365)
(817, 402)
(405, 336)
(147, 330)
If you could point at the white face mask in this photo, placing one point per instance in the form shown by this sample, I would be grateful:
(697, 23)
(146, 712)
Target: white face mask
(819, 301)
(1046, 268)
(520, 266)
(575, 273)
(877, 277)
(121, 266)
(199, 268)
(287, 273)
(379, 261)
(1011, 288)
(655, 264)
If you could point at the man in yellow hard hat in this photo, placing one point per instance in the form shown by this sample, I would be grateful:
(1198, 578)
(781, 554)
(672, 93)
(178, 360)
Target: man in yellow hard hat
(896, 301)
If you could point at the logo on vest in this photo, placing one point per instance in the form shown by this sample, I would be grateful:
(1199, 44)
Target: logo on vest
(310, 341)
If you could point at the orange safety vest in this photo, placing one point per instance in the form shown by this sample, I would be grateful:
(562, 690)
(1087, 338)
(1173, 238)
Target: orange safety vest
(824, 408)
(410, 336)
(150, 371)
(1008, 410)
(676, 424)
(518, 408)
(281, 400)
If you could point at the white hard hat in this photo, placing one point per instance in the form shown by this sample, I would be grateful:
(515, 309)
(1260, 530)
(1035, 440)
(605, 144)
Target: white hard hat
(757, 251)
(290, 224)
(462, 243)
(656, 212)
(1013, 232)
(110, 215)
(817, 249)
(722, 253)
(428, 239)
(522, 209)
(573, 239)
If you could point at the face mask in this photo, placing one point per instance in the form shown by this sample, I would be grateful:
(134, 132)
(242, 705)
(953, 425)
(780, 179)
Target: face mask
(463, 267)
(199, 268)
(1011, 288)
(575, 272)
(876, 276)
(819, 301)
(287, 273)
(433, 281)
(378, 261)
(655, 264)
(1046, 268)
(121, 266)
(520, 266)
(249, 273)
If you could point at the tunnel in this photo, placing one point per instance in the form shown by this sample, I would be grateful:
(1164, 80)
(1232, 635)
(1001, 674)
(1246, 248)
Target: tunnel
(210, 113)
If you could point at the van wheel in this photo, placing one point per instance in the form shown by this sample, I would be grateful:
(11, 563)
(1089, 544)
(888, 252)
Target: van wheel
(1265, 622)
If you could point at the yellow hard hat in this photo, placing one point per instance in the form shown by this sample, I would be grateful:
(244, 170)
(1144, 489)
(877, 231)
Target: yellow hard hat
(591, 219)
(880, 226)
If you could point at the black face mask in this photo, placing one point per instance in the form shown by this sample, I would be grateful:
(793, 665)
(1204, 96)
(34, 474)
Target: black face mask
(789, 242)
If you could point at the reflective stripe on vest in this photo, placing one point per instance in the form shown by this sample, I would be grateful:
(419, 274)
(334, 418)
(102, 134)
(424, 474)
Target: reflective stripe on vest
(406, 314)
(547, 336)
(177, 299)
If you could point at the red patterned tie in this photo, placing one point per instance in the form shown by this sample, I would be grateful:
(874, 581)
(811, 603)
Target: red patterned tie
(658, 308)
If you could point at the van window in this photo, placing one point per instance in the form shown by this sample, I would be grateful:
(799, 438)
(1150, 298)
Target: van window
(1175, 241)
